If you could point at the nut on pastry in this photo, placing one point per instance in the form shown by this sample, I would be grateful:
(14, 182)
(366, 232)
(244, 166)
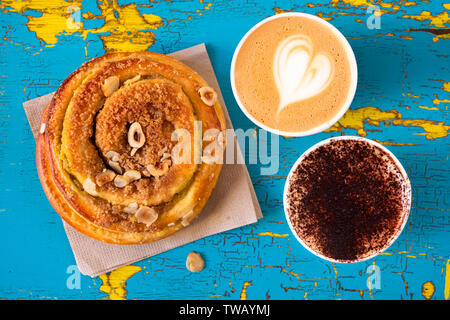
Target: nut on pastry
(105, 160)
(208, 95)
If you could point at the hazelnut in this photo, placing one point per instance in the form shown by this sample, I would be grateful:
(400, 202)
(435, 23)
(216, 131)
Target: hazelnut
(115, 166)
(158, 172)
(132, 175)
(42, 130)
(133, 151)
(105, 177)
(146, 215)
(208, 95)
(187, 218)
(136, 137)
(110, 85)
(132, 80)
(89, 186)
(146, 173)
(165, 156)
(194, 262)
(131, 208)
(113, 156)
(121, 181)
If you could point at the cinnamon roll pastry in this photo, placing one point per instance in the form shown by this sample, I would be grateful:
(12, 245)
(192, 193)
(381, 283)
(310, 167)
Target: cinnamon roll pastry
(121, 154)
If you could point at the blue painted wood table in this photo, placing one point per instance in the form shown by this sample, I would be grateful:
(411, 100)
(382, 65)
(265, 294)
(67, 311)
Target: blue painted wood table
(402, 48)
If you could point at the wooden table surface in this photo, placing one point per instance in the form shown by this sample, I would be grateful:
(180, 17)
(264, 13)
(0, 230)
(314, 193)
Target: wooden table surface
(402, 49)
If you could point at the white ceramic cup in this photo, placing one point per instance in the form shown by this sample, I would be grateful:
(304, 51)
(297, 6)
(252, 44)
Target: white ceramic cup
(324, 142)
(353, 71)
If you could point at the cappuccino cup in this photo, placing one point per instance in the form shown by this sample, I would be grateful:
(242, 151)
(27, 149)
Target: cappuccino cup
(294, 74)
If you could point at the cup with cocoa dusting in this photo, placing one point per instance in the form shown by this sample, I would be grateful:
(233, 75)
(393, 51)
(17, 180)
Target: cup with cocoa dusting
(346, 199)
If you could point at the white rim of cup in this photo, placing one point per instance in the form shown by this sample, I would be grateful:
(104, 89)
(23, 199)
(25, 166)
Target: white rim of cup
(396, 162)
(353, 71)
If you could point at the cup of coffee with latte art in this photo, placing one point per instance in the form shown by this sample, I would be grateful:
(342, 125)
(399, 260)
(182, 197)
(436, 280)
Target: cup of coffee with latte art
(347, 199)
(294, 74)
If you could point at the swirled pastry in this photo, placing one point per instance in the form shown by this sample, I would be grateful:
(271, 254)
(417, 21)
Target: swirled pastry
(119, 148)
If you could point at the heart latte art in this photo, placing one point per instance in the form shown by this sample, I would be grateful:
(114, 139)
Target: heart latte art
(299, 73)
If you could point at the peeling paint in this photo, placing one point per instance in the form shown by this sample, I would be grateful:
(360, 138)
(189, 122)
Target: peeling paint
(114, 282)
(358, 119)
(447, 281)
(270, 234)
(244, 290)
(428, 290)
(124, 27)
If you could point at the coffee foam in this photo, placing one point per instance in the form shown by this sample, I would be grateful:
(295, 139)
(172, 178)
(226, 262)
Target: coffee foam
(265, 88)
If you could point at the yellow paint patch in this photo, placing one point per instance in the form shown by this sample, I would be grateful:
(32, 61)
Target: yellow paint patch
(357, 119)
(386, 7)
(439, 101)
(433, 129)
(275, 235)
(114, 283)
(438, 20)
(354, 3)
(427, 108)
(447, 281)
(278, 10)
(363, 4)
(428, 290)
(387, 143)
(124, 27)
(53, 19)
(196, 13)
(244, 290)
(446, 86)
(410, 94)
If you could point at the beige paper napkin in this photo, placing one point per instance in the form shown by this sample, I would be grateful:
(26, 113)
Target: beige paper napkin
(232, 203)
